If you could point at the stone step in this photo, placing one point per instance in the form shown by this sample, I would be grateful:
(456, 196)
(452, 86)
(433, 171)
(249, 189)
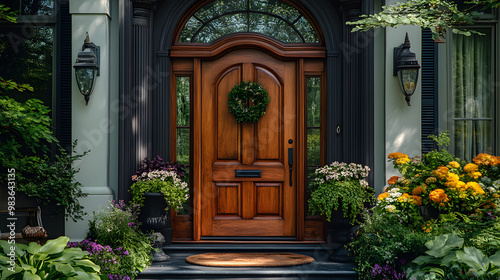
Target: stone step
(178, 268)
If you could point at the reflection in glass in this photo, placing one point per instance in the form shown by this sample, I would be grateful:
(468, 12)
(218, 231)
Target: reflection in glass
(85, 79)
(472, 138)
(183, 86)
(26, 56)
(273, 18)
(37, 7)
(313, 130)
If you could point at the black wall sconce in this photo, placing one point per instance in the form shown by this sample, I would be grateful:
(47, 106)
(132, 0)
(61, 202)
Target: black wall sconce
(406, 68)
(87, 68)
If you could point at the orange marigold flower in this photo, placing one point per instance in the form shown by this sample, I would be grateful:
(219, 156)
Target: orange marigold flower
(418, 190)
(393, 180)
(399, 157)
(438, 196)
(383, 196)
(454, 164)
(452, 177)
(417, 200)
(470, 167)
(486, 159)
(440, 172)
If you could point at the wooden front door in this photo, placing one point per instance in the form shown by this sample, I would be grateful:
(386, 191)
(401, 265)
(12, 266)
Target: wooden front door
(233, 206)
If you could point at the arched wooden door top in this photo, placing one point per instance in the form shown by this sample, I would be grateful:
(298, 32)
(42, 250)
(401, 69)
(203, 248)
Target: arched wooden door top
(248, 41)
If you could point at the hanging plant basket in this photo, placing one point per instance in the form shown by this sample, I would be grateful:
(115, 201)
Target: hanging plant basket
(248, 101)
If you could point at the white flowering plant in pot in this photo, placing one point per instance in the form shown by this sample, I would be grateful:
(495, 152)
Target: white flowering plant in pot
(167, 182)
(341, 185)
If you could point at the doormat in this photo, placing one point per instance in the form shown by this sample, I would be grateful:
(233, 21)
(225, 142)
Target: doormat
(249, 259)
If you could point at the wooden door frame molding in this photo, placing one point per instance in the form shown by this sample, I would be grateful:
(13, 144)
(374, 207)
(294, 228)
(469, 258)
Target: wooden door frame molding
(251, 41)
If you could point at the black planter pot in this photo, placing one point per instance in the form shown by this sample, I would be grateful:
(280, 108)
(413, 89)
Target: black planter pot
(339, 232)
(154, 217)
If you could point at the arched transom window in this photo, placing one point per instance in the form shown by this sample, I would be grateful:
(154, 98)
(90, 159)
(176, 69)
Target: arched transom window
(273, 18)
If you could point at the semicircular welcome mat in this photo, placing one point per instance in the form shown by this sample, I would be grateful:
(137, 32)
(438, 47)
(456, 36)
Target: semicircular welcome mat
(249, 259)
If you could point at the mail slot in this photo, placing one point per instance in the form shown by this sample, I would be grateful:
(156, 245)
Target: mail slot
(252, 173)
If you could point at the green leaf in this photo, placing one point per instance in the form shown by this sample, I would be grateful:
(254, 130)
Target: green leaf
(33, 248)
(54, 246)
(444, 244)
(30, 276)
(474, 258)
(84, 276)
(65, 269)
(495, 259)
(87, 263)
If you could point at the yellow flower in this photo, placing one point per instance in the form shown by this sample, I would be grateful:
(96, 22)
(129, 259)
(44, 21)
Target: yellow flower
(476, 188)
(390, 208)
(383, 196)
(454, 164)
(404, 197)
(470, 167)
(402, 160)
(476, 174)
(431, 180)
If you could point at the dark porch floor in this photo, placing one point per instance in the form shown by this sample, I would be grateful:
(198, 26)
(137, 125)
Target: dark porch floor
(178, 268)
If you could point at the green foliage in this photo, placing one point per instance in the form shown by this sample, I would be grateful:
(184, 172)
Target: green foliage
(50, 261)
(447, 258)
(340, 184)
(117, 226)
(384, 241)
(6, 14)
(248, 101)
(438, 15)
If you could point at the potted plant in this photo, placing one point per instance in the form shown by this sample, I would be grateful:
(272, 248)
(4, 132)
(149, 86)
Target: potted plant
(340, 192)
(157, 188)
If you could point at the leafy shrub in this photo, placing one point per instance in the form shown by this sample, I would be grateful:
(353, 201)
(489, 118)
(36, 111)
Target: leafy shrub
(158, 164)
(50, 261)
(383, 245)
(447, 258)
(116, 226)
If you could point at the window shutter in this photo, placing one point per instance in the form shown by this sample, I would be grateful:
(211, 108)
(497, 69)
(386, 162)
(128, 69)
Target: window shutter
(429, 90)
(64, 75)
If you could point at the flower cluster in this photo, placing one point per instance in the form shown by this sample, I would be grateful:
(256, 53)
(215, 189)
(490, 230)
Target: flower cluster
(108, 258)
(452, 186)
(342, 171)
(387, 272)
(157, 163)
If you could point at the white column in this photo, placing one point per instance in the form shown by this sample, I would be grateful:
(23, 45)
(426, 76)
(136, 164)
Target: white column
(92, 125)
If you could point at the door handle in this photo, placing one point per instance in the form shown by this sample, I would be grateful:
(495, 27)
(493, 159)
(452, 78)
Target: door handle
(290, 164)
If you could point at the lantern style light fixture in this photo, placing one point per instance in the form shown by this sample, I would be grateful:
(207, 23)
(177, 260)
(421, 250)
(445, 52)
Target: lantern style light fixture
(87, 68)
(406, 68)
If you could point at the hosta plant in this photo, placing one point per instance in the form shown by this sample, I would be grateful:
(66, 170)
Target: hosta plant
(50, 261)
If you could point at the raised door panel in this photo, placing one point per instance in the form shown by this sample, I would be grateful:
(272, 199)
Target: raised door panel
(228, 130)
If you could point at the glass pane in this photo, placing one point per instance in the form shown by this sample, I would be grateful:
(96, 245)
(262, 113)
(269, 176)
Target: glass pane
(269, 17)
(37, 7)
(275, 7)
(192, 25)
(313, 101)
(305, 28)
(313, 146)
(217, 8)
(473, 76)
(310, 178)
(183, 145)
(183, 104)
(26, 56)
(273, 27)
(473, 137)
